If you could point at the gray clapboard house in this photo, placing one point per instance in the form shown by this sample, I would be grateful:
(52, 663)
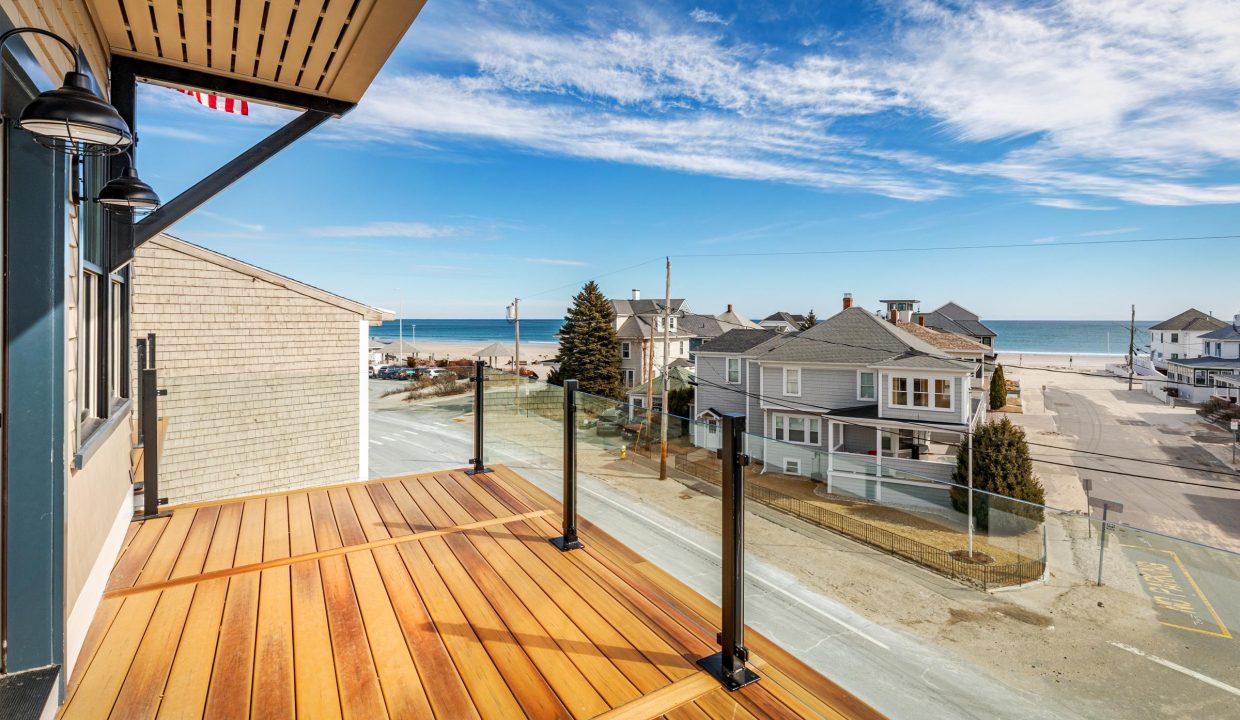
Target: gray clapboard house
(854, 397)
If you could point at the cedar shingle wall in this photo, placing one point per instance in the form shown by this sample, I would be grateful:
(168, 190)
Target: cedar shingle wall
(262, 381)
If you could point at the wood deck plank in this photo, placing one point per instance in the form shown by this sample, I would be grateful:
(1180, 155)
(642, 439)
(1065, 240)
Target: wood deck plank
(361, 695)
(314, 665)
(524, 679)
(190, 678)
(143, 689)
(327, 604)
(398, 677)
(597, 608)
(233, 673)
(575, 691)
(490, 693)
(555, 606)
(274, 694)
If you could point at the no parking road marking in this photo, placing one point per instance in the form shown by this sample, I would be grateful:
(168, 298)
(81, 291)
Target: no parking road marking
(1177, 597)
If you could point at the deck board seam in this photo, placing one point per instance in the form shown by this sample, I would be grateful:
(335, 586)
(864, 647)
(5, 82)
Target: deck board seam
(317, 555)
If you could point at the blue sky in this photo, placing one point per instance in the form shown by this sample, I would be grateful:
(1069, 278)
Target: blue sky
(511, 149)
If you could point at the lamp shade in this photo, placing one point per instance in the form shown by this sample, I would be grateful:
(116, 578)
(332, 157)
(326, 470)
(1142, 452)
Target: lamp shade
(128, 192)
(72, 118)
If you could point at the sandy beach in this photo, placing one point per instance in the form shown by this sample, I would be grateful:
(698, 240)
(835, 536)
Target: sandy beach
(1084, 363)
(531, 353)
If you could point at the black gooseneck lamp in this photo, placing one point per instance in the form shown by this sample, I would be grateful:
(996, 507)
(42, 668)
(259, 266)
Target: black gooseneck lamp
(127, 193)
(72, 119)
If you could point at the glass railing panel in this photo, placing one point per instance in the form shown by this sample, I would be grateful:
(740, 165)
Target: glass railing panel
(524, 428)
(861, 568)
(420, 424)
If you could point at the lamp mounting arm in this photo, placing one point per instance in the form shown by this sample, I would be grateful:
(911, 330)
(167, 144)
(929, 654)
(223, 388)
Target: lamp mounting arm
(73, 51)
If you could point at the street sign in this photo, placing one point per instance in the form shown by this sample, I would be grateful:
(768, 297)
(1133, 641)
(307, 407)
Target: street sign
(1109, 505)
(1088, 484)
(1235, 425)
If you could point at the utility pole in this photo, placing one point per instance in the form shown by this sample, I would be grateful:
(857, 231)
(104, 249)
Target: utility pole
(667, 343)
(970, 475)
(1132, 344)
(515, 309)
(400, 323)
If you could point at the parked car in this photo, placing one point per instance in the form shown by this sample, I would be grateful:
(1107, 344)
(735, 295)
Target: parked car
(435, 373)
(610, 422)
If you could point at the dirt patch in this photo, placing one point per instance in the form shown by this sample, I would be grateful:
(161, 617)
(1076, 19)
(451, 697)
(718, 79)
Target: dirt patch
(1020, 614)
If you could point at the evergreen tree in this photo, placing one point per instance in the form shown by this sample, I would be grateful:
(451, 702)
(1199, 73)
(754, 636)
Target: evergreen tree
(1002, 466)
(998, 389)
(589, 347)
(680, 402)
(810, 320)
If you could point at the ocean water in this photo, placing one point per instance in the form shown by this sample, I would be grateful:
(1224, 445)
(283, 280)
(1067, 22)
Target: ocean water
(483, 331)
(1083, 337)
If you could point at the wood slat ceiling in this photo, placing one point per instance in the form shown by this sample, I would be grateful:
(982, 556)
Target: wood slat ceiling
(332, 48)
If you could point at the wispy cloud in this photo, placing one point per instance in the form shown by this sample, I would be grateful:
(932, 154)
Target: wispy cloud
(1043, 240)
(1129, 100)
(177, 133)
(1110, 231)
(1068, 204)
(557, 261)
(416, 230)
(705, 16)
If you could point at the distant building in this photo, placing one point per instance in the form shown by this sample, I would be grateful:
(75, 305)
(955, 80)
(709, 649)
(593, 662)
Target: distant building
(1181, 337)
(705, 327)
(783, 322)
(953, 318)
(1223, 343)
(639, 324)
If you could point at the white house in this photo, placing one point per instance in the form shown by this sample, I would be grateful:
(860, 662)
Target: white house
(1179, 338)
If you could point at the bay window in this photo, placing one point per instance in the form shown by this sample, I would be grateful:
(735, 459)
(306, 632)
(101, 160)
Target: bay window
(943, 394)
(899, 391)
(921, 392)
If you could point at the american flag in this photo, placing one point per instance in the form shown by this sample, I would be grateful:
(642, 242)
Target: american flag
(217, 102)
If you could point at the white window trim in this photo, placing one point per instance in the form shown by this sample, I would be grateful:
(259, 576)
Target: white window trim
(874, 384)
(727, 370)
(791, 461)
(784, 385)
(626, 350)
(891, 393)
(776, 417)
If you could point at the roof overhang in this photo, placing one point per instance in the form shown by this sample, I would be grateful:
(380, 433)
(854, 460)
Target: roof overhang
(325, 48)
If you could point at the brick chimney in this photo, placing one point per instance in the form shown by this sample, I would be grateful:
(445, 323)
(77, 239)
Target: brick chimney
(847, 300)
(637, 294)
(893, 316)
(729, 307)
(921, 320)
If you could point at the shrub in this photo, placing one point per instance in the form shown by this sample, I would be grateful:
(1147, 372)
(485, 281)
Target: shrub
(998, 389)
(1002, 466)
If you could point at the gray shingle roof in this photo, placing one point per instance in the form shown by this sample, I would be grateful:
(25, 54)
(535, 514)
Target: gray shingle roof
(1229, 331)
(636, 327)
(701, 325)
(645, 307)
(781, 316)
(1190, 319)
(853, 336)
(962, 323)
(738, 341)
(1211, 363)
(925, 362)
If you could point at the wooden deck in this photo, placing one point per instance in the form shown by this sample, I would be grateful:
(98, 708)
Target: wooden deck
(430, 596)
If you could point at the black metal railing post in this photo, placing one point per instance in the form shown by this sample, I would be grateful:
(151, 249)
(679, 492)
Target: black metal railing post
(728, 666)
(479, 381)
(570, 541)
(148, 427)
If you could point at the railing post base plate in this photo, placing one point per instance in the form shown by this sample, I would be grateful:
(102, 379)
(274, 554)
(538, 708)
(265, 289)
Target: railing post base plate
(479, 471)
(713, 664)
(139, 517)
(564, 544)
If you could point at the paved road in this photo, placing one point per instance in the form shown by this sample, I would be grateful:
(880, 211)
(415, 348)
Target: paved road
(898, 674)
(1194, 588)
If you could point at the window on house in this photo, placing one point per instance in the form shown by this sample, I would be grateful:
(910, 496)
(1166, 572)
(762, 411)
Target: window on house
(1199, 377)
(1175, 356)
(639, 402)
(682, 347)
(865, 386)
(798, 429)
(658, 323)
(1161, 338)
(88, 345)
(628, 378)
(899, 391)
(626, 351)
(943, 394)
(119, 307)
(734, 370)
(1175, 337)
(671, 323)
(921, 392)
(712, 426)
(792, 467)
(792, 381)
(986, 341)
